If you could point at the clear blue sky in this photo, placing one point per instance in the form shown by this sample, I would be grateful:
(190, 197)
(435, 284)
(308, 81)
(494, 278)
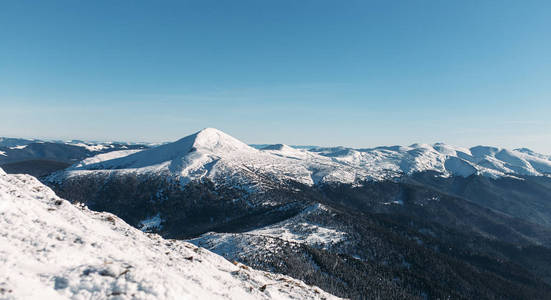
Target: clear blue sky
(352, 73)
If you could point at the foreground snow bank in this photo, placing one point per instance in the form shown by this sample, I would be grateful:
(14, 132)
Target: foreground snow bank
(51, 249)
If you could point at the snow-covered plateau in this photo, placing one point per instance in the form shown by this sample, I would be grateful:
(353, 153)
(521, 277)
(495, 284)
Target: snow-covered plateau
(219, 157)
(51, 249)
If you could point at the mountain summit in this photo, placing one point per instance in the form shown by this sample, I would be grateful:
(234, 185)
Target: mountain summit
(209, 140)
(216, 141)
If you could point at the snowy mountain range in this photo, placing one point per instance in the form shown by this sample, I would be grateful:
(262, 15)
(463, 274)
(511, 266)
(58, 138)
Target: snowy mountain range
(13, 150)
(39, 158)
(51, 249)
(415, 222)
(216, 156)
(90, 145)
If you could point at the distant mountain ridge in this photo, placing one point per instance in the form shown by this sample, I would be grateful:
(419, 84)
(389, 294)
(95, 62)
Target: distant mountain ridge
(306, 164)
(40, 158)
(213, 154)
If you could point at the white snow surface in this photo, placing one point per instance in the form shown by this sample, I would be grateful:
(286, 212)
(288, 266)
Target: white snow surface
(18, 147)
(300, 230)
(92, 147)
(51, 249)
(97, 159)
(219, 157)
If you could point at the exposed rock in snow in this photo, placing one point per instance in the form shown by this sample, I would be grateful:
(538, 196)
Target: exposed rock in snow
(50, 249)
(219, 157)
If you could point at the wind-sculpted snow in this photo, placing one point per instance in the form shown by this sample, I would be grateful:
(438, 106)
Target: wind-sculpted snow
(50, 249)
(219, 157)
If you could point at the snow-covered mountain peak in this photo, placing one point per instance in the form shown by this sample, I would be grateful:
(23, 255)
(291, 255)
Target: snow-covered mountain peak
(484, 150)
(421, 145)
(451, 150)
(216, 141)
(207, 143)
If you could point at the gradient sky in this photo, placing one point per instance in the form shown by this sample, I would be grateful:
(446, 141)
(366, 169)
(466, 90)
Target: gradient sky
(352, 73)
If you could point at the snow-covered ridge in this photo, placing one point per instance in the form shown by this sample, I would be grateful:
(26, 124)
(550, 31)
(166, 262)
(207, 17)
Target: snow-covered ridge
(213, 154)
(103, 157)
(50, 249)
(18, 144)
(299, 229)
(295, 231)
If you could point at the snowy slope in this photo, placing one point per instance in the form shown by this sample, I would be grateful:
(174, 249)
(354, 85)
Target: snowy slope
(50, 249)
(213, 154)
(268, 240)
(103, 157)
(301, 229)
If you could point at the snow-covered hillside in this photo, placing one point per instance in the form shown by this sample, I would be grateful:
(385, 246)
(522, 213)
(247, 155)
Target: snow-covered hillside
(50, 249)
(300, 229)
(213, 154)
(103, 157)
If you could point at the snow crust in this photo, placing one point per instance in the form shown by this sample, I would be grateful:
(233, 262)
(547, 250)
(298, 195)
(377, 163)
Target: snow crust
(219, 157)
(51, 249)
